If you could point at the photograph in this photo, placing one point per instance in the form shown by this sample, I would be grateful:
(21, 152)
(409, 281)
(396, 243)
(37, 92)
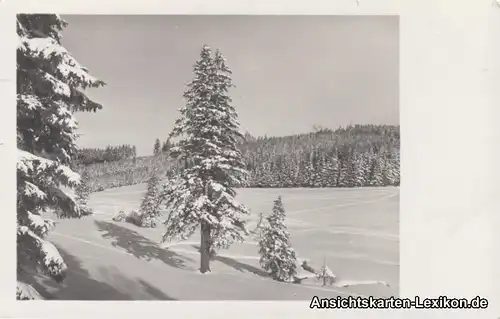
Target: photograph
(207, 157)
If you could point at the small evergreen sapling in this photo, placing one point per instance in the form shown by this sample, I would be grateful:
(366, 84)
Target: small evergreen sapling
(150, 206)
(326, 275)
(276, 254)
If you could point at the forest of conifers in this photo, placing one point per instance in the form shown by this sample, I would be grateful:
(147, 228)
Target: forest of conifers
(354, 156)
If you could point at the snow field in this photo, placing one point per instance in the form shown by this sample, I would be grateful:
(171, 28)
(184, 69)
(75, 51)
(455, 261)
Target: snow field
(356, 230)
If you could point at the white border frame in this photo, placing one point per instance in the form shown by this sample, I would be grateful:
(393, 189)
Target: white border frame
(448, 202)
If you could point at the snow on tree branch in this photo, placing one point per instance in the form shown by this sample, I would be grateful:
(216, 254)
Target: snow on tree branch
(43, 252)
(26, 161)
(50, 89)
(40, 226)
(26, 292)
(68, 67)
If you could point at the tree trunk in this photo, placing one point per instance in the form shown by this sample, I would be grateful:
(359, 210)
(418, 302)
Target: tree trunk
(205, 248)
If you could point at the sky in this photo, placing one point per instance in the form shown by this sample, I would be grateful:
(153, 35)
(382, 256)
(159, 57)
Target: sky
(290, 72)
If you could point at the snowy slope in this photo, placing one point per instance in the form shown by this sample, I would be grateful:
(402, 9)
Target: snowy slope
(356, 230)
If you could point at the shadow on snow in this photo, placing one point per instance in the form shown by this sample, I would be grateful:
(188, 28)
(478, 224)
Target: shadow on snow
(143, 248)
(139, 246)
(79, 285)
(237, 265)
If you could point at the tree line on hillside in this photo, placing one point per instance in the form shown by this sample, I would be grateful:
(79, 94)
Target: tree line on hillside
(164, 147)
(354, 156)
(87, 156)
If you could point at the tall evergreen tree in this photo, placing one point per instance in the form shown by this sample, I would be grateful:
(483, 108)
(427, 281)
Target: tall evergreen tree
(156, 147)
(50, 85)
(202, 195)
(276, 254)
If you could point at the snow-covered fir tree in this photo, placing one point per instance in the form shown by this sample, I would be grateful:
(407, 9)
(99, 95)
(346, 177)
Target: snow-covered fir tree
(330, 171)
(355, 176)
(260, 176)
(284, 174)
(82, 192)
(318, 171)
(276, 253)
(366, 167)
(273, 178)
(342, 167)
(326, 275)
(293, 170)
(343, 174)
(150, 205)
(391, 168)
(396, 165)
(202, 195)
(50, 85)
(377, 171)
(306, 174)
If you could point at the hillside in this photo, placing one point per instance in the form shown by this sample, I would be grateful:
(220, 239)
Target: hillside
(355, 156)
(354, 230)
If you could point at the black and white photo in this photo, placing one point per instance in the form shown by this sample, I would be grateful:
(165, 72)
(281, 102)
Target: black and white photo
(207, 157)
